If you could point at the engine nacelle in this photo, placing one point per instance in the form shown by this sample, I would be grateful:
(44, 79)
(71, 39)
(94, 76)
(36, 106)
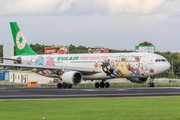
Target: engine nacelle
(72, 77)
(138, 80)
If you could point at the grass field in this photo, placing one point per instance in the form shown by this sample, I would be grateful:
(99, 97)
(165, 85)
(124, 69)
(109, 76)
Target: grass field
(112, 85)
(140, 108)
(130, 85)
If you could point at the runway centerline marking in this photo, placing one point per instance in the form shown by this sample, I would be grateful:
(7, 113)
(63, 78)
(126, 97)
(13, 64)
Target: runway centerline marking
(90, 95)
(116, 89)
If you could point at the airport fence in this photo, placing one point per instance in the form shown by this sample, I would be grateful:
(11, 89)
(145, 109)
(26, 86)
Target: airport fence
(172, 83)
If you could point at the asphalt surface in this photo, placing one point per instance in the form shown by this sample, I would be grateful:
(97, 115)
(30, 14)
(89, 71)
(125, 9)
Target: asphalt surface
(49, 93)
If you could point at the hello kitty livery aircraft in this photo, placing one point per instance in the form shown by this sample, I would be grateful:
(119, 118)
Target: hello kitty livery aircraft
(73, 68)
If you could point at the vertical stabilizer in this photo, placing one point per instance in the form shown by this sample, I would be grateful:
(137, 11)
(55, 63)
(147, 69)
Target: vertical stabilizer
(21, 45)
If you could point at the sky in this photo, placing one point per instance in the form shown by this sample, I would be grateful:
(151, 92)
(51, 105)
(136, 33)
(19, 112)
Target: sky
(114, 24)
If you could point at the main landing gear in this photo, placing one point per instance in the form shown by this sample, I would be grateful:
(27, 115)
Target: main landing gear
(63, 85)
(151, 84)
(102, 84)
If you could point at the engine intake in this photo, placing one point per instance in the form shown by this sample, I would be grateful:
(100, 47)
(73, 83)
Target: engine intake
(72, 77)
(138, 80)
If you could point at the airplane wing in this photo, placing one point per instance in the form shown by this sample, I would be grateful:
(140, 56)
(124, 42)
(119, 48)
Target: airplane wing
(45, 67)
(17, 60)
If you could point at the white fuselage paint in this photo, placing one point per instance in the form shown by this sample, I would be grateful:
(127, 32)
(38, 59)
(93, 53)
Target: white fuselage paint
(118, 65)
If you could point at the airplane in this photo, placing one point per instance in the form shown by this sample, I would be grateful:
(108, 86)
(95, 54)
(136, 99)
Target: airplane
(71, 69)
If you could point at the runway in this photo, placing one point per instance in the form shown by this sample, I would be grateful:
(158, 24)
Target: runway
(49, 93)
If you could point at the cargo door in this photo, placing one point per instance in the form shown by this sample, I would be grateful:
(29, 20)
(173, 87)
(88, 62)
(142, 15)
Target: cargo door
(63, 65)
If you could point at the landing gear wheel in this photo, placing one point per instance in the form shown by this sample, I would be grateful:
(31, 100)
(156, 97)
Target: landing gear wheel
(150, 84)
(64, 85)
(59, 85)
(106, 85)
(101, 84)
(96, 85)
(69, 86)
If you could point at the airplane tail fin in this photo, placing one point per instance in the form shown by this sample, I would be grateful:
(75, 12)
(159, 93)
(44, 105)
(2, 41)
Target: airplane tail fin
(21, 45)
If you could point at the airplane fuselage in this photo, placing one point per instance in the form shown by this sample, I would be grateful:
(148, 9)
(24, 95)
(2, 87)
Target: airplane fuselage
(110, 65)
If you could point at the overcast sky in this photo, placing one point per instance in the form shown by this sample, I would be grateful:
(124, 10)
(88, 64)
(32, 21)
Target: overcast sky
(115, 24)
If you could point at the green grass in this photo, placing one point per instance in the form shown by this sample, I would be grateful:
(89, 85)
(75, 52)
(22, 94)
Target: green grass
(112, 85)
(141, 108)
(130, 85)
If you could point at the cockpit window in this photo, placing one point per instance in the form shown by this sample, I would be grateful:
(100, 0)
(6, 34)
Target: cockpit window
(163, 60)
(160, 60)
(157, 60)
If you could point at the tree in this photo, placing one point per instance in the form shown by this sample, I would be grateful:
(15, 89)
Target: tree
(1, 50)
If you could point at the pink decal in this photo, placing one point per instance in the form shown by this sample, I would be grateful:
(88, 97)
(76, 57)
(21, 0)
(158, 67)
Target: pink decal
(96, 65)
(111, 62)
(95, 58)
(104, 57)
(137, 58)
(47, 71)
(138, 70)
(83, 58)
(50, 62)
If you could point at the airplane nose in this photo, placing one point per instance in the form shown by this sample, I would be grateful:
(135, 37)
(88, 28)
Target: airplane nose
(167, 66)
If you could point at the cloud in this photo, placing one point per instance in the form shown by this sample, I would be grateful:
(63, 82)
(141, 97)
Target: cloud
(88, 7)
(26, 7)
(133, 6)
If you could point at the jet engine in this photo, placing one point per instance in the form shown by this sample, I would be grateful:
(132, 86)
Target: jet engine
(72, 77)
(138, 80)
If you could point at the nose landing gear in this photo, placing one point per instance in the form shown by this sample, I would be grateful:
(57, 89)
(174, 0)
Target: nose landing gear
(151, 84)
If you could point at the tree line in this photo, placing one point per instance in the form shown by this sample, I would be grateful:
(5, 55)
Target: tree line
(171, 57)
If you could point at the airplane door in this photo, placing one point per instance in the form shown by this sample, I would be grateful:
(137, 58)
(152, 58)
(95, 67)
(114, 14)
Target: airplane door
(22, 78)
(145, 60)
(63, 65)
(143, 64)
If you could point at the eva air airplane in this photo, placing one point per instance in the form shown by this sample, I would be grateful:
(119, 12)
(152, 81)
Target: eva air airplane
(73, 68)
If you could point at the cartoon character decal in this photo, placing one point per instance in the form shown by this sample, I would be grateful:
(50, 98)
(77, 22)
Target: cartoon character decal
(39, 60)
(133, 65)
(121, 66)
(113, 66)
(96, 65)
(124, 66)
(30, 62)
(27, 62)
(50, 62)
(106, 67)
